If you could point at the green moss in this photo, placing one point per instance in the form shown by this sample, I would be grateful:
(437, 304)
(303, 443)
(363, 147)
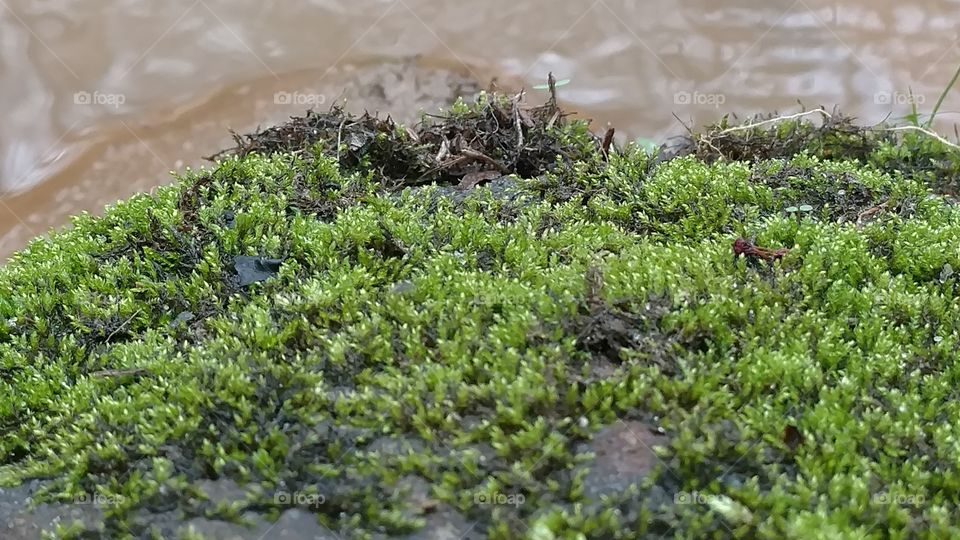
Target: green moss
(479, 345)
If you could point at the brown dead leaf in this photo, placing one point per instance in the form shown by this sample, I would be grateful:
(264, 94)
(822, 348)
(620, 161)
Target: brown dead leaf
(525, 118)
(472, 180)
(594, 279)
(792, 437)
(119, 373)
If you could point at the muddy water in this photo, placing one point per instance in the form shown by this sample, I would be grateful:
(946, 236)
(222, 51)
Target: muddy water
(101, 98)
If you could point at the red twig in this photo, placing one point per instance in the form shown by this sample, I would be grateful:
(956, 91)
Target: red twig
(743, 247)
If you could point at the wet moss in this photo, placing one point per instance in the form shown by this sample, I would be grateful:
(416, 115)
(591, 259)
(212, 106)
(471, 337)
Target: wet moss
(445, 356)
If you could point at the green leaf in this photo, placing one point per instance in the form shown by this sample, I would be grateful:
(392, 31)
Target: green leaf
(649, 145)
(541, 531)
(731, 510)
(562, 82)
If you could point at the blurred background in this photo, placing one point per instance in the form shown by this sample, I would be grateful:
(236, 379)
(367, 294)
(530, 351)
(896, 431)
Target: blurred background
(100, 99)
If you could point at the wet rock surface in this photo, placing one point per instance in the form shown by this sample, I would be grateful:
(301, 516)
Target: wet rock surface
(502, 188)
(18, 521)
(445, 523)
(624, 457)
(295, 524)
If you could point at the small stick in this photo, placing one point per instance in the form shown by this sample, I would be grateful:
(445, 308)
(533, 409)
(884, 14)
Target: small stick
(869, 212)
(925, 132)
(773, 120)
(479, 156)
(444, 150)
(607, 141)
(126, 322)
(594, 279)
(339, 137)
(118, 373)
(553, 119)
(552, 83)
(516, 120)
(743, 246)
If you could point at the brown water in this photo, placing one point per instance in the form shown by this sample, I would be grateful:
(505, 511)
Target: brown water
(101, 98)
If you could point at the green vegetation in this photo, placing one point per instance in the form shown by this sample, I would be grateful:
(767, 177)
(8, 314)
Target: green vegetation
(943, 95)
(478, 338)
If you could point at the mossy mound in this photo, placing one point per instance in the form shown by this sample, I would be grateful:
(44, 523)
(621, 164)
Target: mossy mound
(573, 352)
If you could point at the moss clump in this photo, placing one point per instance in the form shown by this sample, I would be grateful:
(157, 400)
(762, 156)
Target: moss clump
(429, 357)
(835, 138)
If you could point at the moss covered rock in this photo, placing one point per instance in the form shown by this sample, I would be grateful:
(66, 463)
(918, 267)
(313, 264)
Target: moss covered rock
(492, 326)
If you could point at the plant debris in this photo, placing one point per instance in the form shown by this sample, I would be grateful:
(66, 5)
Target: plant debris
(742, 246)
(499, 133)
(904, 150)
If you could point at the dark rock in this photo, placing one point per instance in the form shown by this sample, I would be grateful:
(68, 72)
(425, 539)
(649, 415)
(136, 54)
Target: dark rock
(19, 522)
(294, 524)
(255, 269)
(183, 318)
(395, 446)
(624, 457)
(445, 523)
(403, 287)
(224, 491)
